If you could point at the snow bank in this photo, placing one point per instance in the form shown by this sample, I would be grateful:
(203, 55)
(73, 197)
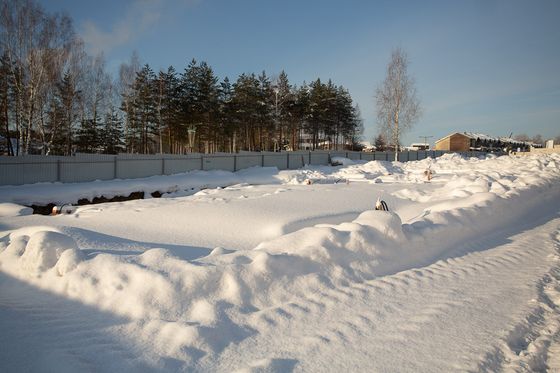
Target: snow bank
(42, 251)
(341, 161)
(12, 209)
(193, 307)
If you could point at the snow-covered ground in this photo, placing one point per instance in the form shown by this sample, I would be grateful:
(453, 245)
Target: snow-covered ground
(273, 271)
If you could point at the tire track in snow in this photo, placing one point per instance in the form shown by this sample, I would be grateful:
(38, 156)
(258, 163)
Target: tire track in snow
(534, 343)
(461, 305)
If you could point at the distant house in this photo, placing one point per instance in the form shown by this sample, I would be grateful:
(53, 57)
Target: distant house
(368, 146)
(418, 146)
(457, 142)
(466, 141)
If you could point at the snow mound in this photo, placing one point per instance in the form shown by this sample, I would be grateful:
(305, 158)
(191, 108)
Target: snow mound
(269, 366)
(44, 249)
(32, 251)
(341, 161)
(11, 209)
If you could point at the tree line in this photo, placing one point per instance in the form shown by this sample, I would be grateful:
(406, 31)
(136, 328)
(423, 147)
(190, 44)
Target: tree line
(57, 99)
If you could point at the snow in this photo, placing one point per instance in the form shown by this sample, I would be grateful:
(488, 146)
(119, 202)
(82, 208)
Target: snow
(267, 270)
(11, 209)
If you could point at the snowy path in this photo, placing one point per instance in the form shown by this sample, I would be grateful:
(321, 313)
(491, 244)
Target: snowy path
(481, 311)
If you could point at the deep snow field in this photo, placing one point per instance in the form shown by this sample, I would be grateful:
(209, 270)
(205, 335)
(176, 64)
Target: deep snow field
(277, 271)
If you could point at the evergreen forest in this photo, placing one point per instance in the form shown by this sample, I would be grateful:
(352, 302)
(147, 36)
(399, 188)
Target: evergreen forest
(57, 99)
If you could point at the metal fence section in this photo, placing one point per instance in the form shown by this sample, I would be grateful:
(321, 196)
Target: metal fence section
(90, 167)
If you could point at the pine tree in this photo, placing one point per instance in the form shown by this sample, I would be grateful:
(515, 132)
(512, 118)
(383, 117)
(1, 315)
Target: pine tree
(380, 143)
(113, 134)
(245, 103)
(167, 106)
(347, 118)
(144, 110)
(226, 121)
(67, 97)
(199, 101)
(301, 113)
(284, 109)
(89, 137)
(265, 112)
(207, 106)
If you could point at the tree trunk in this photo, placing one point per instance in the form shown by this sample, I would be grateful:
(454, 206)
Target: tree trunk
(396, 136)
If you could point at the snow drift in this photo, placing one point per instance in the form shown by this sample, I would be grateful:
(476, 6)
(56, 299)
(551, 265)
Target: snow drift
(198, 307)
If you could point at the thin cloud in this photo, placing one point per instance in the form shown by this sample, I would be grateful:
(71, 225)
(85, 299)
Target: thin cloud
(137, 20)
(488, 92)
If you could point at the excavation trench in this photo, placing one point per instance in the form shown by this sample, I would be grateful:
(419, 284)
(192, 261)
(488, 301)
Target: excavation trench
(48, 208)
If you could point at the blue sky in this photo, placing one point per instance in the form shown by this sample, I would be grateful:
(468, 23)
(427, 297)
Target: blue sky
(483, 66)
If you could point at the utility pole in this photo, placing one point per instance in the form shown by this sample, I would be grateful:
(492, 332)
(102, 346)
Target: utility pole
(425, 139)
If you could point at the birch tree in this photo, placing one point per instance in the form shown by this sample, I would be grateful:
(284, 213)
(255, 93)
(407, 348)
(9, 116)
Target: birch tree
(397, 105)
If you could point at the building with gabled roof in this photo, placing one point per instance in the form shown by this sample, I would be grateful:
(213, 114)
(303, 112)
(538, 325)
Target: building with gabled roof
(467, 141)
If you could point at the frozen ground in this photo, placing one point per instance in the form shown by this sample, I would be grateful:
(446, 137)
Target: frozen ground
(268, 271)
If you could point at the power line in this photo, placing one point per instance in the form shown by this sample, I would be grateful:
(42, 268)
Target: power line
(425, 138)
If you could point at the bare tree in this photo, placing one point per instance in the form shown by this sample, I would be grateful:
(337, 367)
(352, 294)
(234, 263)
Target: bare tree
(37, 45)
(537, 139)
(397, 105)
(522, 137)
(20, 23)
(97, 83)
(127, 75)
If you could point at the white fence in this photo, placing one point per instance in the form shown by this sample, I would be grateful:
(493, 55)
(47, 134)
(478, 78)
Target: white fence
(89, 167)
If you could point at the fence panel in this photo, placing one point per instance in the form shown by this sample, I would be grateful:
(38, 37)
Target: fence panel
(355, 156)
(296, 160)
(180, 164)
(247, 160)
(278, 160)
(320, 158)
(218, 162)
(366, 156)
(80, 168)
(338, 153)
(129, 167)
(404, 156)
(29, 169)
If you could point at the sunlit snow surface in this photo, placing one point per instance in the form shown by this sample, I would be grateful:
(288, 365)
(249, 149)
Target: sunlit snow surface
(273, 271)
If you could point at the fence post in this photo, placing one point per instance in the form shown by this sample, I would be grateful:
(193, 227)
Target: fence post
(115, 168)
(234, 162)
(162, 165)
(309, 158)
(201, 162)
(288, 160)
(262, 160)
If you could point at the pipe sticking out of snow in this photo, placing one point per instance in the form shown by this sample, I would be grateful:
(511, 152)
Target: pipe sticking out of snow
(381, 205)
